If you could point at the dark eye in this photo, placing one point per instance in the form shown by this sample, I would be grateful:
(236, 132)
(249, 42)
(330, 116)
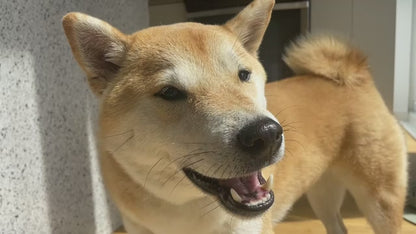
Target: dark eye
(171, 93)
(244, 75)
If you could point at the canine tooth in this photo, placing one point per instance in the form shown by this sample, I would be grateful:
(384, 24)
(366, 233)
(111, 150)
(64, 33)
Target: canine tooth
(235, 196)
(269, 183)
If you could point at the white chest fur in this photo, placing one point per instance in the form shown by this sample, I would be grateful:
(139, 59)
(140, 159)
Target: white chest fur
(203, 216)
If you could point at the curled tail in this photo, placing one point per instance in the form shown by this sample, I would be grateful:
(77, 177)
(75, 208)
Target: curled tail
(328, 57)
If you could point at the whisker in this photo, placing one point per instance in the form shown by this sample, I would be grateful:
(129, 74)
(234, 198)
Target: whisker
(181, 157)
(209, 204)
(190, 164)
(210, 211)
(183, 177)
(177, 171)
(119, 134)
(289, 128)
(215, 172)
(176, 185)
(288, 151)
(148, 173)
(234, 172)
(224, 170)
(128, 139)
(209, 169)
(286, 123)
(293, 130)
(284, 108)
(188, 156)
(296, 141)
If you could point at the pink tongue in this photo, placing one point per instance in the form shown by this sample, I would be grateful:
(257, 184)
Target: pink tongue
(243, 185)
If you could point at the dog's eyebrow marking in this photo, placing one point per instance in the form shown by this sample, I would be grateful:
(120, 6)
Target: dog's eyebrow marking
(233, 58)
(171, 77)
(153, 65)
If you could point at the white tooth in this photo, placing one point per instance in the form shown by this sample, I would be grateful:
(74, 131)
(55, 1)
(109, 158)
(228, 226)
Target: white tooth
(235, 196)
(269, 183)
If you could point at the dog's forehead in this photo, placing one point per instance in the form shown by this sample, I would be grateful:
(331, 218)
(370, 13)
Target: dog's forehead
(187, 49)
(189, 36)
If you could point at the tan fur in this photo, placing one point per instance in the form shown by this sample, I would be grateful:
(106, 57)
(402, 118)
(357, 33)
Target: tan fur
(338, 133)
(76, 26)
(338, 122)
(327, 57)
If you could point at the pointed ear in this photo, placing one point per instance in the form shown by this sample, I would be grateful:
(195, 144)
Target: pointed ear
(251, 23)
(98, 47)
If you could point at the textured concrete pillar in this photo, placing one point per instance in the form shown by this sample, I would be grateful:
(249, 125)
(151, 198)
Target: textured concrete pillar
(49, 179)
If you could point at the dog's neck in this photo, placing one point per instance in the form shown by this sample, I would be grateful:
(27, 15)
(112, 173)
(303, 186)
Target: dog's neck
(202, 213)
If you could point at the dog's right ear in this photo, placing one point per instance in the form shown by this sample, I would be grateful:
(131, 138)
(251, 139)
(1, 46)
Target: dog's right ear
(251, 23)
(98, 47)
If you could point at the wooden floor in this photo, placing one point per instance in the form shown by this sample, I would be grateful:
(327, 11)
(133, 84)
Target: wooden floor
(302, 220)
(411, 143)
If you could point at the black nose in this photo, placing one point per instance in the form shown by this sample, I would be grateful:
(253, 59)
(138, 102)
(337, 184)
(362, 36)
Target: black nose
(260, 138)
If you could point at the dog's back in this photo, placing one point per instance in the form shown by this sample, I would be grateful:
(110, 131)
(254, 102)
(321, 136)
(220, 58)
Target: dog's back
(336, 122)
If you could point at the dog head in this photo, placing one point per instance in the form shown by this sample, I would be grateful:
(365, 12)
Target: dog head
(183, 109)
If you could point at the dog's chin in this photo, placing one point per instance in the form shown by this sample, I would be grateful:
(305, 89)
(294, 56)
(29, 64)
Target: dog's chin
(248, 196)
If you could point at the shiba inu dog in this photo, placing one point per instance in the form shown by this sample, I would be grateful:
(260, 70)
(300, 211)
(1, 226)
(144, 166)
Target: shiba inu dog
(188, 144)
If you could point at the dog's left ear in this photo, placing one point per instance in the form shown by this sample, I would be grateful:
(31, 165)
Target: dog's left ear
(251, 23)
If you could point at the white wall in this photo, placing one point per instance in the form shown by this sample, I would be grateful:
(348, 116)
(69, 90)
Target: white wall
(402, 57)
(412, 103)
(49, 180)
(370, 25)
(332, 16)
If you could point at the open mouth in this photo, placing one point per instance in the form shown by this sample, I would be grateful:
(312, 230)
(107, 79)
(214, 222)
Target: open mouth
(249, 195)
